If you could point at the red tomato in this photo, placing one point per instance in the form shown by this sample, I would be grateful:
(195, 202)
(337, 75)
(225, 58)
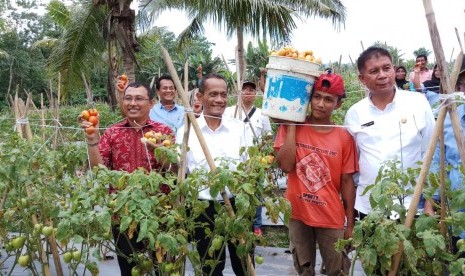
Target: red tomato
(93, 120)
(85, 115)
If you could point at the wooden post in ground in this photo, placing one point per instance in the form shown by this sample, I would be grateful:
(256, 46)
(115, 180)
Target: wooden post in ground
(42, 116)
(203, 144)
(452, 109)
(57, 113)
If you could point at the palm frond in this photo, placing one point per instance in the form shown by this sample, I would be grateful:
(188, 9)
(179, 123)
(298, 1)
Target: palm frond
(46, 43)
(80, 46)
(195, 28)
(59, 13)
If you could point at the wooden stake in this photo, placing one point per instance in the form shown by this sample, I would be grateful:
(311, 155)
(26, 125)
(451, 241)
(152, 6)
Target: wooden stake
(42, 116)
(57, 113)
(442, 183)
(239, 85)
(458, 38)
(186, 76)
(203, 144)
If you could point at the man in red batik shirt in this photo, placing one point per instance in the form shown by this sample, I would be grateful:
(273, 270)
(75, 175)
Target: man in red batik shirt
(120, 148)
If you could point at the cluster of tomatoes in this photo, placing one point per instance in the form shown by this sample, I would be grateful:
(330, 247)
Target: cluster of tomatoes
(90, 115)
(153, 137)
(294, 53)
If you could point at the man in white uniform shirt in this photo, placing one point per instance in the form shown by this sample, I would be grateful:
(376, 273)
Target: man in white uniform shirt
(389, 124)
(253, 118)
(224, 139)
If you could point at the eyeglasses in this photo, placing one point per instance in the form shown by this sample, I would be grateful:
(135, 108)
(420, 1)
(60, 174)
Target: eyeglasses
(137, 100)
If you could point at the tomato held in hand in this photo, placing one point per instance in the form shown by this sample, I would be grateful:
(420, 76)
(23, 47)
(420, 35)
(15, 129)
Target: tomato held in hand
(93, 112)
(90, 130)
(93, 120)
(85, 115)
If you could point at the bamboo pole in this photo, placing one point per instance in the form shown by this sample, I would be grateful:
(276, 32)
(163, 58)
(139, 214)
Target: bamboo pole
(458, 38)
(57, 113)
(452, 109)
(203, 144)
(442, 183)
(239, 85)
(42, 115)
(186, 76)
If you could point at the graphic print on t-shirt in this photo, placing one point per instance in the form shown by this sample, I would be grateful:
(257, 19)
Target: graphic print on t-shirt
(313, 172)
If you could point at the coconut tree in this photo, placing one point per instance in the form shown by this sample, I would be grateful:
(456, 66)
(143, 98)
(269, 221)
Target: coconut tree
(90, 29)
(274, 18)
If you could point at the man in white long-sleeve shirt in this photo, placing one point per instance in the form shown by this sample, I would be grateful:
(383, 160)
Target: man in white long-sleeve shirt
(389, 124)
(224, 139)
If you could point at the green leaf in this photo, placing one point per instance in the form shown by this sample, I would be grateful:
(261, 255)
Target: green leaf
(424, 222)
(143, 230)
(369, 258)
(78, 239)
(248, 188)
(125, 221)
(432, 241)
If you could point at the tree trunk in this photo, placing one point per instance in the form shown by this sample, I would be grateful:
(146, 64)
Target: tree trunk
(240, 55)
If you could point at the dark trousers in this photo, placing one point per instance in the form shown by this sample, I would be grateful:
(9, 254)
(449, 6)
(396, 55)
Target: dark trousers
(203, 243)
(125, 247)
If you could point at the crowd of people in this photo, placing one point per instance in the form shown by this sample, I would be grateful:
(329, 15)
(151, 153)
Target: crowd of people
(320, 158)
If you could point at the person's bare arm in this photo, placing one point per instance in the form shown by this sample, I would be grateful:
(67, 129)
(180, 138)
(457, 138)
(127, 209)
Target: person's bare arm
(416, 78)
(286, 154)
(348, 200)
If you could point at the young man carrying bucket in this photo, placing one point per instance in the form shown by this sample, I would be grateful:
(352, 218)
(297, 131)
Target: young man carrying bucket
(320, 160)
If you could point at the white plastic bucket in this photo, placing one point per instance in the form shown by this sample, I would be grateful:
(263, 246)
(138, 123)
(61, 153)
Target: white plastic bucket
(289, 83)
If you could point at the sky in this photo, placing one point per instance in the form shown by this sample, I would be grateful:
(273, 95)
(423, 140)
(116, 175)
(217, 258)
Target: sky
(399, 23)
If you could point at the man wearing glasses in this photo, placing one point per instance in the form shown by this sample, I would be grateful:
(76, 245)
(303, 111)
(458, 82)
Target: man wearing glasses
(167, 111)
(120, 148)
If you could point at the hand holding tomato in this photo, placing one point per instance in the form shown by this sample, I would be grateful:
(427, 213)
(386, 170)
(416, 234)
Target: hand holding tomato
(122, 83)
(89, 121)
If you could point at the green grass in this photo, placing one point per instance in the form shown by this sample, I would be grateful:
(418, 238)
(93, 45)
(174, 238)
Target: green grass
(276, 236)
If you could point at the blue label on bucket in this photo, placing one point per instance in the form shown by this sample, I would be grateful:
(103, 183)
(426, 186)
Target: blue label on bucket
(287, 95)
(289, 88)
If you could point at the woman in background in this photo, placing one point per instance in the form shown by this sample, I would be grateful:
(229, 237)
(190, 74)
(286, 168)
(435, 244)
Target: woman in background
(401, 74)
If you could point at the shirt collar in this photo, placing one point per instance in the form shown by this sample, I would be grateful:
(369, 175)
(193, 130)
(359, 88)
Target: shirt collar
(125, 122)
(175, 106)
(203, 124)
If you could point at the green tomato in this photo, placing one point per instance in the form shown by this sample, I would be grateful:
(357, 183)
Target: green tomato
(169, 267)
(37, 226)
(217, 243)
(107, 236)
(23, 202)
(67, 257)
(259, 260)
(146, 265)
(9, 247)
(47, 231)
(77, 255)
(461, 245)
(18, 242)
(24, 260)
(112, 204)
(135, 271)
